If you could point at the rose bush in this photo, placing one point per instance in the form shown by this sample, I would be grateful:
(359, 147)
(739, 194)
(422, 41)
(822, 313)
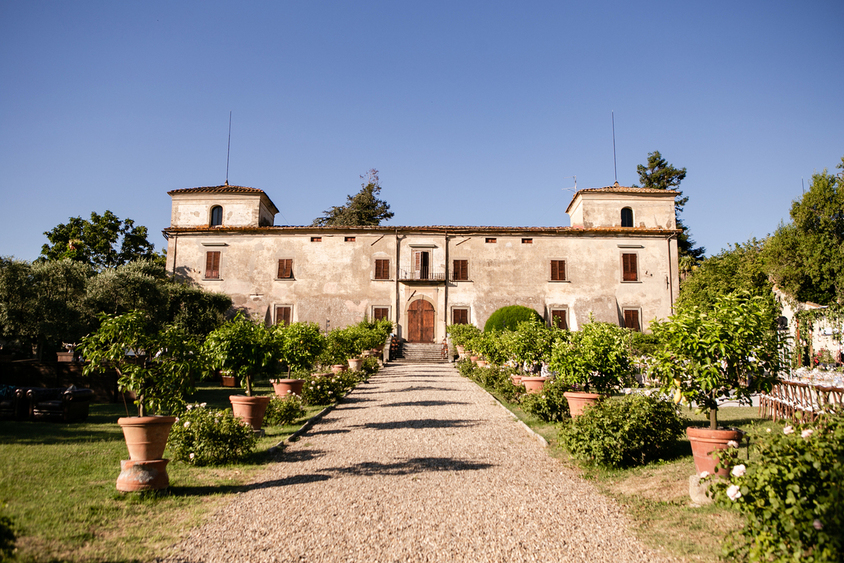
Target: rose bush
(203, 436)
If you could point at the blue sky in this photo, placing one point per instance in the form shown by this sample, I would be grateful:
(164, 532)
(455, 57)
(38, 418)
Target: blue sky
(475, 113)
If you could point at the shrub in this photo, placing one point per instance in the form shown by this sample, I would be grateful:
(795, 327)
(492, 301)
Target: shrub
(790, 495)
(323, 390)
(370, 367)
(595, 358)
(281, 412)
(7, 537)
(629, 430)
(508, 318)
(643, 344)
(203, 436)
(462, 334)
(550, 405)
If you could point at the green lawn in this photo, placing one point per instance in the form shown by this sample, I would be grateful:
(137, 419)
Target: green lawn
(58, 483)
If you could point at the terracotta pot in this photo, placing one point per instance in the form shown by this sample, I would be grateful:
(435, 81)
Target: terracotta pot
(228, 381)
(250, 409)
(355, 364)
(577, 401)
(338, 368)
(285, 387)
(534, 384)
(324, 374)
(516, 379)
(482, 363)
(474, 359)
(705, 441)
(461, 351)
(146, 436)
(150, 475)
(64, 356)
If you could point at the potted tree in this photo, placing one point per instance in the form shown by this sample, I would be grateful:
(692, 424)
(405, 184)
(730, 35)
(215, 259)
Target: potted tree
(529, 346)
(157, 366)
(461, 335)
(244, 349)
(594, 360)
(300, 345)
(729, 350)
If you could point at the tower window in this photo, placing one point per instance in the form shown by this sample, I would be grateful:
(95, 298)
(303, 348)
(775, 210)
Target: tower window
(216, 216)
(626, 217)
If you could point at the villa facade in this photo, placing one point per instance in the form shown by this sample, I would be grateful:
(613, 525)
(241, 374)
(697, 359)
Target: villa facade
(617, 261)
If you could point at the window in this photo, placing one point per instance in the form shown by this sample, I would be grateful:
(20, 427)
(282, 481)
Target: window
(216, 216)
(491, 240)
(349, 239)
(631, 319)
(527, 241)
(421, 264)
(559, 318)
(629, 267)
(380, 313)
(283, 315)
(285, 268)
(212, 265)
(460, 272)
(382, 269)
(558, 270)
(316, 239)
(460, 316)
(626, 217)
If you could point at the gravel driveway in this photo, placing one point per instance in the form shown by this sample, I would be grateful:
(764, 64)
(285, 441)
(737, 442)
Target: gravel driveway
(418, 464)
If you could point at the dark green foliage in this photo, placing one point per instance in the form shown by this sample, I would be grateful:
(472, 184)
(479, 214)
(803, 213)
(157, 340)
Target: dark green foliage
(806, 256)
(462, 334)
(325, 390)
(7, 537)
(203, 436)
(633, 429)
(281, 412)
(493, 379)
(508, 318)
(363, 209)
(105, 241)
(549, 405)
(790, 495)
(643, 343)
(660, 175)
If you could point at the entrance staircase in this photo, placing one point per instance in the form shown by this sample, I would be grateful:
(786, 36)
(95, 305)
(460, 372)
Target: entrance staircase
(419, 353)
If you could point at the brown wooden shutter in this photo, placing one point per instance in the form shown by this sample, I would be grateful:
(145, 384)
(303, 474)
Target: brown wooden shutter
(628, 265)
(212, 264)
(631, 319)
(285, 268)
(282, 315)
(461, 270)
(382, 269)
(558, 319)
(460, 316)
(558, 270)
(381, 313)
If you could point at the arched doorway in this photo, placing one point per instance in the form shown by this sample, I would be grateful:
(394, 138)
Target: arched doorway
(420, 321)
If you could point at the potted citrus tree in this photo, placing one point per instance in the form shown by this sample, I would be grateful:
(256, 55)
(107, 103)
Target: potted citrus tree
(156, 365)
(594, 360)
(461, 335)
(300, 345)
(244, 349)
(729, 350)
(529, 346)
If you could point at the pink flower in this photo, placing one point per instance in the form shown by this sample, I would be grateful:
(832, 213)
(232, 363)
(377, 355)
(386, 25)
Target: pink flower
(788, 430)
(806, 433)
(187, 423)
(732, 444)
(192, 455)
(817, 524)
(733, 492)
(738, 470)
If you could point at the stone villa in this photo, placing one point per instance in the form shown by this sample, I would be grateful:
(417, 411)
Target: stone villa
(617, 261)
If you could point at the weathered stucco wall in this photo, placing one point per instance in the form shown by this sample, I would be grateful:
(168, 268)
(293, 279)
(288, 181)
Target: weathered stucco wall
(603, 209)
(239, 210)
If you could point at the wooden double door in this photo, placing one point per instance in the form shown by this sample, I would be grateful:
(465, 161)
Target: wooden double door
(420, 321)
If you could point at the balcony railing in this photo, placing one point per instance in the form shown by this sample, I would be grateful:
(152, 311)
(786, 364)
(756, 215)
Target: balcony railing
(422, 276)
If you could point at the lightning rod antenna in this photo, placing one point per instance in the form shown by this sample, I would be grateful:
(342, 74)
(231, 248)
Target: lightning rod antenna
(229, 148)
(614, 165)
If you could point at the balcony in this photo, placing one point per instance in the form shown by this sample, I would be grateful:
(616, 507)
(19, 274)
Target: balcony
(423, 276)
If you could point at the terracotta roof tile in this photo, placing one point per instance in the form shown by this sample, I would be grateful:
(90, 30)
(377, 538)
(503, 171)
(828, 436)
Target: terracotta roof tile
(224, 189)
(438, 229)
(625, 189)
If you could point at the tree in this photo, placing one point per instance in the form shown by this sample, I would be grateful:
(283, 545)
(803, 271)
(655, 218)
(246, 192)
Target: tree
(362, 209)
(660, 175)
(806, 256)
(105, 241)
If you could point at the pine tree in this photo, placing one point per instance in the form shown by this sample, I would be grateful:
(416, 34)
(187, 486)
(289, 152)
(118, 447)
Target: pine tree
(362, 209)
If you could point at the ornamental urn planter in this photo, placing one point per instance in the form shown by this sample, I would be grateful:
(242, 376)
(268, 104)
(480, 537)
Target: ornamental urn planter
(355, 364)
(286, 387)
(578, 400)
(338, 369)
(534, 384)
(706, 442)
(250, 409)
(146, 438)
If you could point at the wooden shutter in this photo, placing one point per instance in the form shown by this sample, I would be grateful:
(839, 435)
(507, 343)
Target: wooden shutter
(382, 269)
(283, 314)
(558, 270)
(631, 319)
(558, 319)
(285, 268)
(460, 316)
(629, 267)
(461, 270)
(212, 264)
(380, 313)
